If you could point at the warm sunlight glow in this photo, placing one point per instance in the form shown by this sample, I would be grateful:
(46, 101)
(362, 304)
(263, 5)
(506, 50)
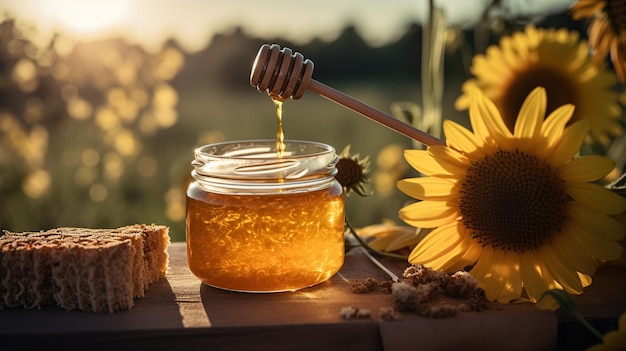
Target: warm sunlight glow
(193, 23)
(87, 17)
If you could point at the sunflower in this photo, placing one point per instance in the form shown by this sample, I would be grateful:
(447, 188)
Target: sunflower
(518, 207)
(607, 32)
(353, 172)
(556, 60)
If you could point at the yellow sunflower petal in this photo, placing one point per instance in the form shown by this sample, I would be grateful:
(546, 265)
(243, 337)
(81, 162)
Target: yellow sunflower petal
(481, 62)
(537, 279)
(493, 122)
(384, 243)
(449, 155)
(482, 269)
(470, 256)
(423, 162)
(381, 229)
(476, 119)
(417, 158)
(508, 52)
(597, 197)
(429, 214)
(585, 279)
(509, 271)
(408, 239)
(570, 143)
(463, 102)
(492, 282)
(443, 259)
(586, 168)
(429, 188)
(596, 246)
(571, 251)
(552, 130)
(459, 138)
(549, 278)
(595, 221)
(530, 117)
(438, 247)
(498, 274)
(554, 124)
(562, 272)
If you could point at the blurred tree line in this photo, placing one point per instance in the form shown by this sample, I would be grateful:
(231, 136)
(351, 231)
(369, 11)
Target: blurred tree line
(226, 60)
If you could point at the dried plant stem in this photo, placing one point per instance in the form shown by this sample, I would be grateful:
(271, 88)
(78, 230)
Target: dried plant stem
(433, 50)
(363, 244)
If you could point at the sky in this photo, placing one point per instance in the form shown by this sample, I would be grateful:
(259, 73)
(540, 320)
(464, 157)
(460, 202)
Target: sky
(193, 22)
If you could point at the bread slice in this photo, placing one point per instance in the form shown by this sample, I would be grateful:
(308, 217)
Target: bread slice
(98, 270)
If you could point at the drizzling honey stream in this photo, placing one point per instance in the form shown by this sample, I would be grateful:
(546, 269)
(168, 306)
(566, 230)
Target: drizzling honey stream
(280, 132)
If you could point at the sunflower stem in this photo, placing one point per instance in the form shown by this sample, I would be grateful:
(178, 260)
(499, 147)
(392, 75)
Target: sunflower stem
(566, 302)
(370, 249)
(433, 53)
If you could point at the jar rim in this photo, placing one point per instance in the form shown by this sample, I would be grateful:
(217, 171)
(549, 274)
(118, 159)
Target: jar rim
(264, 149)
(255, 166)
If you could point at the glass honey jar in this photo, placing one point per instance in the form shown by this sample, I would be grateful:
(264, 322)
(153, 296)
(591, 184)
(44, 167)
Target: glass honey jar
(263, 221)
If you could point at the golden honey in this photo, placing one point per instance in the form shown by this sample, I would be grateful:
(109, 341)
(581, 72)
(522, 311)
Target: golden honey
(258, 222)
(280, 133)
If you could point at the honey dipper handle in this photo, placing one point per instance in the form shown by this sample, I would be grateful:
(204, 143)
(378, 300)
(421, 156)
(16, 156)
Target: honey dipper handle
(372, 113)
(284, 74)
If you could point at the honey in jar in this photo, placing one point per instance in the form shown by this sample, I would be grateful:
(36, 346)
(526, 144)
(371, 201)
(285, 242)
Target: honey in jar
(258, 221)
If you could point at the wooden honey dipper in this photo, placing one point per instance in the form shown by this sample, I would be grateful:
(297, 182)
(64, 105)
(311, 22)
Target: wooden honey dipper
(284, 74)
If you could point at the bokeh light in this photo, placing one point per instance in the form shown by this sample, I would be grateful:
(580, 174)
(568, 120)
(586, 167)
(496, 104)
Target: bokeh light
(73, 124)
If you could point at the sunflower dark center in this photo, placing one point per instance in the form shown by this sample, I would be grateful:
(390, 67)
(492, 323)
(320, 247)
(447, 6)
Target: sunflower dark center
(349, 172)
(559, 87)
(513, 201)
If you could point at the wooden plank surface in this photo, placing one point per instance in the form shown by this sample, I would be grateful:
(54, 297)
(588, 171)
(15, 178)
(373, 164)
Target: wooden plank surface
(181, 313)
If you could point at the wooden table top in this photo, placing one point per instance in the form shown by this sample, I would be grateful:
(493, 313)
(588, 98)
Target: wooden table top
(180, 313)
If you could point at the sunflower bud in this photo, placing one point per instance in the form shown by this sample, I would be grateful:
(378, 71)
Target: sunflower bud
(353, 172)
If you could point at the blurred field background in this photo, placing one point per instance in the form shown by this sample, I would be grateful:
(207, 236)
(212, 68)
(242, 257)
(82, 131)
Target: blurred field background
(101, 133)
